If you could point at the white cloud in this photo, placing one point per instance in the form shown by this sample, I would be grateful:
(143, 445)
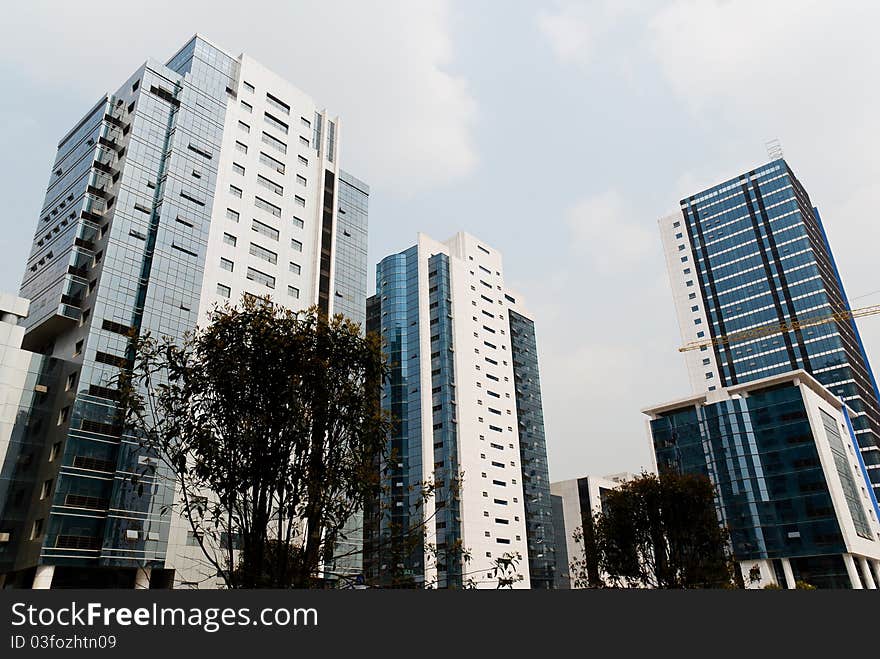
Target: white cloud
(803, 71)
(571, 35)
(603, 227)
(408, 119)
(577, 30)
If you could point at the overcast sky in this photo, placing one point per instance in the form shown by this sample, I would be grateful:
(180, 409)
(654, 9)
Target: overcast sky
(557, 132)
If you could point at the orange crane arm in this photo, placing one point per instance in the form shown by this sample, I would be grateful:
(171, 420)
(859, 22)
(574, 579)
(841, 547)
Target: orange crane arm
(769, 330)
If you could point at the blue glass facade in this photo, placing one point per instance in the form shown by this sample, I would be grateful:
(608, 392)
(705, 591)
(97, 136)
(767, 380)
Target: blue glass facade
(541, 537)
(771, 491)
(762, 258)
(351, 248)
(350, 300)
(395, 556)
(396, 536)
(119, 251)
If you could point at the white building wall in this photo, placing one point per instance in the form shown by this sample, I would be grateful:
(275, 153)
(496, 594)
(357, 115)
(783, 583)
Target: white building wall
(855, 543)
(301, 107)
(488, 492)
(572, 512)
(301, 161)
(684, 281)
(14, 364)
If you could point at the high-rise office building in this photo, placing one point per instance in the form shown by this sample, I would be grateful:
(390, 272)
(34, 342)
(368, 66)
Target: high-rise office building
(350, 300)
(195, 182)
(790, 487)
(752, 252)
(579, 500)
(465, 397)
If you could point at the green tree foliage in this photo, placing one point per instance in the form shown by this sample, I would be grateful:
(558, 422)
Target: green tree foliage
(269, 421)
(657, 533)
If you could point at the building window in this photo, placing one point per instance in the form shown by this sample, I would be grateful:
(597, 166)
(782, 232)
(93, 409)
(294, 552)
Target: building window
(226, 264)
(265, 230)
(237, 169)
(305, 122)
(275, 143)
(304, 141)
(293, 292)
(263, 253)
(301, 179)
(248, 87)
(709, 375)
(276, 123)
(262, 204)
(234, 191)
(299, 201)
(243, 126)
(294, 268)
(46, 489)
(247, 107)
(71, 381)
(270, 185)
(298, 223)
(706, 361)
(232, 215)
(63, 415)
(224, 291)
(37, 529)
(229, 239)
(277, 103)
(269, 161)
(261, 277)
(303, 161)
(296, 245)
(241, 146)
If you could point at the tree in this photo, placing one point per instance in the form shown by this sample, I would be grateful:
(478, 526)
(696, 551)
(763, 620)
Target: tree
(661, 533)
(268, 420)
(505, 570)
(585, 570)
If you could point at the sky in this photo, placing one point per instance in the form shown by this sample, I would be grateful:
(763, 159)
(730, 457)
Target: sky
(556, 131)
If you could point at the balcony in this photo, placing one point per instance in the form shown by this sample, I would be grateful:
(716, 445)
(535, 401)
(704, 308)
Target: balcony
(116, 121)
(103, 167)
(101, 193)
(111, 144)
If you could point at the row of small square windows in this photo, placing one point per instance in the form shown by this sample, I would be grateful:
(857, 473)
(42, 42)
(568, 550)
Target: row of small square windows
(225, 291)
(693, 296)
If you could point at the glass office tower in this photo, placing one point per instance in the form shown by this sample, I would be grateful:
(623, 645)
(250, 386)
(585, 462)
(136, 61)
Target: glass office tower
(196, 182)
(350, 300)
(750, 252)
(465, 397)
(790, 487)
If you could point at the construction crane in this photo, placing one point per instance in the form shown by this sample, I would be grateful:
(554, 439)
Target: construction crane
(769, 330)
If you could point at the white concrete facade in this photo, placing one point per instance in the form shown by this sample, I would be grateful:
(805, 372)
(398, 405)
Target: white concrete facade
(260, 161)
(299, 200)
(492, 506)
(692, 320)
(14, 365)
(573, 512)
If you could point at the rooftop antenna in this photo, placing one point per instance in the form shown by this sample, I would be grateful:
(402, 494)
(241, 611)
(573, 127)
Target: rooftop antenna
(774, 149)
